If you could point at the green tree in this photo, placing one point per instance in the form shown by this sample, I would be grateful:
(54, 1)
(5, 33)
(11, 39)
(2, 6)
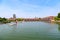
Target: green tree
(4, 20)
(58, 15)
(0, 19)
(56, 18)
(19, 19)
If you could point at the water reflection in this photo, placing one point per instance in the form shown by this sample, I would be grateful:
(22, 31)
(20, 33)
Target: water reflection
(58, 26)
(14, 27)
(31, 31)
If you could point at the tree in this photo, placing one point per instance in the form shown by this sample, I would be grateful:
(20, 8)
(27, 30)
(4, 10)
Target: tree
(4, 19)
(19, 19)
(0, 19)
(56, 18)
(58, 15)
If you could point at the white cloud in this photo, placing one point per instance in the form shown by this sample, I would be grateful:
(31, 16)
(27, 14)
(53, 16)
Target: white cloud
(28, 10)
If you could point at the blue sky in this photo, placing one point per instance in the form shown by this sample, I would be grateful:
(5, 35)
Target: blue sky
(29, 8)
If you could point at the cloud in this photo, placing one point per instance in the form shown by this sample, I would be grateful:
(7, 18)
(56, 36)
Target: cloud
(22, 9)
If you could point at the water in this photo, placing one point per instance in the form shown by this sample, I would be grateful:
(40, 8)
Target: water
(30, 31)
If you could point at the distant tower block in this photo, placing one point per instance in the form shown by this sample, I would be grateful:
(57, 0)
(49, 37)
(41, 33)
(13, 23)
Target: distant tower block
(14, 16)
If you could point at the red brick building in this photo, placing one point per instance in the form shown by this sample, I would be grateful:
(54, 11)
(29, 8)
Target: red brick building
(49, 18)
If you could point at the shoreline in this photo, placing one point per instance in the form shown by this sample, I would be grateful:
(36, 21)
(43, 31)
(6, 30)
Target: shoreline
(34, 21)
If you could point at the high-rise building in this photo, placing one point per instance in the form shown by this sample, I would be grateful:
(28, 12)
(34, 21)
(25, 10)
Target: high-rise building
(14, 16)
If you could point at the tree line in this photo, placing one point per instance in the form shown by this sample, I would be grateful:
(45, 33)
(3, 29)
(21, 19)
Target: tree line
(4, 20)
(57, 17)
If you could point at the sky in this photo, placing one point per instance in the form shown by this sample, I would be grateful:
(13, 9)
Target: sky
(29, 8)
